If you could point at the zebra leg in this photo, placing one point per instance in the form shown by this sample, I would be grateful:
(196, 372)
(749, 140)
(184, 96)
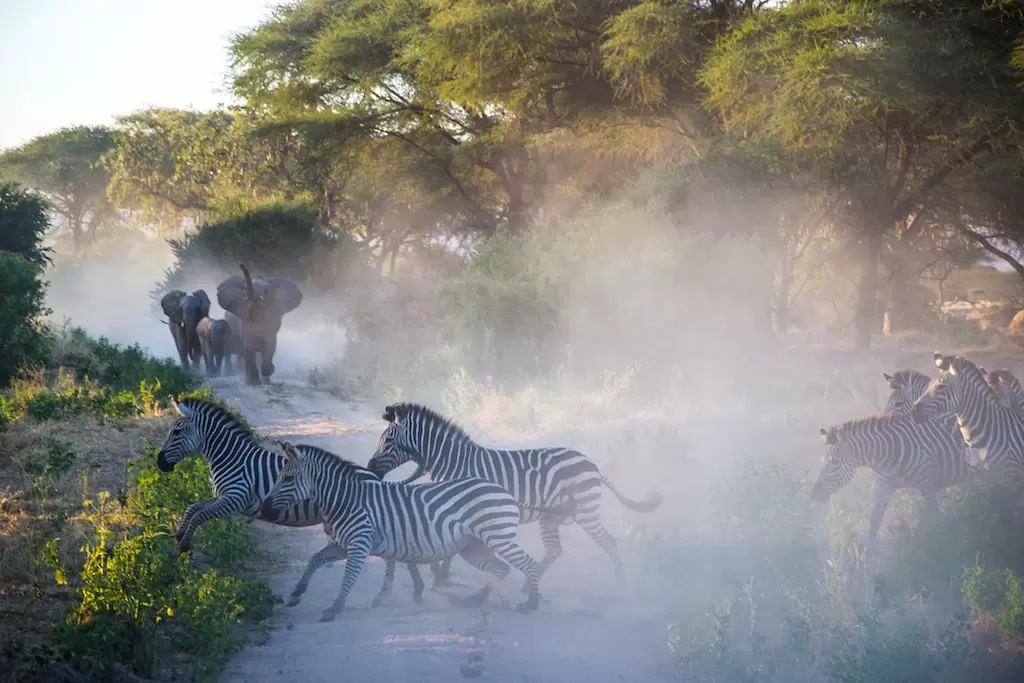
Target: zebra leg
(442, 572)
(552, 546)
(222, 507)
(592, 525)
(417, 583)
(358, 551)
(512, 553)
(480, 556)
(883, 494)
(389, 580)
(187, 517)
(329, 553)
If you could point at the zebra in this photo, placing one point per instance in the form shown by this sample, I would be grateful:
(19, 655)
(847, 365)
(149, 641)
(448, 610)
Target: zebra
(540, 477)
(901, 452)
(986, 424)
(1006, 387)
(422, 523)
(242, 471)
(906, 386)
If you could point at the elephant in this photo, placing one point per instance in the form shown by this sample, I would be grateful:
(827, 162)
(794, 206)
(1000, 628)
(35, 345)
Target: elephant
(256, 307)
(218, 344)
(184, 311)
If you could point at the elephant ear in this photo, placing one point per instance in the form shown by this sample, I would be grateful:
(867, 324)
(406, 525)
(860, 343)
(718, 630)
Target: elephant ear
(204, 302)
(231, 296)
(171, 304)
(285, 295)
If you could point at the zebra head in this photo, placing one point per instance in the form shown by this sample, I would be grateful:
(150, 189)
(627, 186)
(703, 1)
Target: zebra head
(396, 446)
(184, 438)
(837, 467)
(945, 393)
(1007, 388)
(292, 485)
(906, 386)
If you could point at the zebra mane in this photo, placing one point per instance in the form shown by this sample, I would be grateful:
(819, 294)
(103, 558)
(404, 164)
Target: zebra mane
(435, 419)
(347, 466)
(854, 426)
(226, 415)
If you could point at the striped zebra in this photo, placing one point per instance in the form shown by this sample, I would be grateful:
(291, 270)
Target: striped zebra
(906, 386)
(420, 523)
(985, 422)
(540, 477)
(242, 472)
(1006, 387)
(901, 452)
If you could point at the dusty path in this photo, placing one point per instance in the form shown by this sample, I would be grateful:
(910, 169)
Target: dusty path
(584, 631)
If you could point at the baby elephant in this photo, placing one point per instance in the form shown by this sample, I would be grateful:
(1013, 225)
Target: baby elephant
(217, 342)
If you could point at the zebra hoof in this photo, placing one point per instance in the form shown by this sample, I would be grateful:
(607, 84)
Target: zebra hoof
(185, 544)
(377, 600)
(293, 601)
(328, 615)
(417, 599)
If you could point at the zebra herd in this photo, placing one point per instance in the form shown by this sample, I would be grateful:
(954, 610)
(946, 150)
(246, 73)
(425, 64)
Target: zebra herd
(929, 436)
(478, 498)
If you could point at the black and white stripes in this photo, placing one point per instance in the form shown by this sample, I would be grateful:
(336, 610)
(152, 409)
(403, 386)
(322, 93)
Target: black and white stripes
(401, 522)
(543, 477)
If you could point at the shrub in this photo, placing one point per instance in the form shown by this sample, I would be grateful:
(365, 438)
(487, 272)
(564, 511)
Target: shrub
(135, 591)
(24, 340)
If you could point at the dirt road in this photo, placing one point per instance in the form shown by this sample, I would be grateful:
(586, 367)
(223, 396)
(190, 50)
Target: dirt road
(585, 629)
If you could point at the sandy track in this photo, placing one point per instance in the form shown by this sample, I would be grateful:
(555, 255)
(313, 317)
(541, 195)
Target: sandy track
(585, 630)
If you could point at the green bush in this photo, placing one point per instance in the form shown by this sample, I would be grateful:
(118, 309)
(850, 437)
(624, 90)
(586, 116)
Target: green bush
(136, 591)
(24, 341)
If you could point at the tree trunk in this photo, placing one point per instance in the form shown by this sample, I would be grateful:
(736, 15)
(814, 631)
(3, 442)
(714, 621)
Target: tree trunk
(867, 292)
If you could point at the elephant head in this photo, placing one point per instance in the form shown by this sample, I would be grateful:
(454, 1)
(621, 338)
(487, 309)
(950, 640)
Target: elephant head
(171, 305)
(262, 301)
(256, 306)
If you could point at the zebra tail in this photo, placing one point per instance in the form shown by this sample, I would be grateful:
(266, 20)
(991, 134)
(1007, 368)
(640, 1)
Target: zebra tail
(646, 505)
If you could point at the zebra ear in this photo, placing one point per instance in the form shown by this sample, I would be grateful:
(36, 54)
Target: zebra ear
(184, 411)
(389, 412)
(888, 377)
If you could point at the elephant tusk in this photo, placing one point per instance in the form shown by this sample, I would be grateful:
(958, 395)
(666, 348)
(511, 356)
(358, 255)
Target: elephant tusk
(166, 323)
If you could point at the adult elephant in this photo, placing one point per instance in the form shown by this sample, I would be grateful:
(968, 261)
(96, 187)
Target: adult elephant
(256, 306)
(184, 311)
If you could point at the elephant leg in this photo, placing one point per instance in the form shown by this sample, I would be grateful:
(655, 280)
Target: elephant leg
(267, 364)
(180, 343)
(252, 372)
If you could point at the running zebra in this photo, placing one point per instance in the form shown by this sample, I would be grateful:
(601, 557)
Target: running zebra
(541, 477)
(901, 453)
(399, 522)
(242, 472)
(986, 424)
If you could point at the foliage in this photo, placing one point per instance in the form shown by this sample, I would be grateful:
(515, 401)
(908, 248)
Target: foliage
(94, 376)
(23, 224)
(65, 167)
(276, 239)
(134, 586)
(23, 338)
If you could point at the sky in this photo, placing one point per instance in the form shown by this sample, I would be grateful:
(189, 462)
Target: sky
(69, 62)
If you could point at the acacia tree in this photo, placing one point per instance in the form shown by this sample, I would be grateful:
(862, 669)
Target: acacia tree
(65, 168)
(890, 99)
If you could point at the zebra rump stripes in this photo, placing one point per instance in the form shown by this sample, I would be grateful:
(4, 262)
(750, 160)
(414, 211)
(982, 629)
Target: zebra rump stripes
(399, 522)
(537, 478)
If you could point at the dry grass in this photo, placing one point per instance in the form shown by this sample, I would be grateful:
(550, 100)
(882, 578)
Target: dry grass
(47, 469)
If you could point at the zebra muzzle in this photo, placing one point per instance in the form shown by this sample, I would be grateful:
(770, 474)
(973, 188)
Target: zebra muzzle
(268, 511)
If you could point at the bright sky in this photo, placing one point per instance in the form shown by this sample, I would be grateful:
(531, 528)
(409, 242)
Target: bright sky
(66, 62)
